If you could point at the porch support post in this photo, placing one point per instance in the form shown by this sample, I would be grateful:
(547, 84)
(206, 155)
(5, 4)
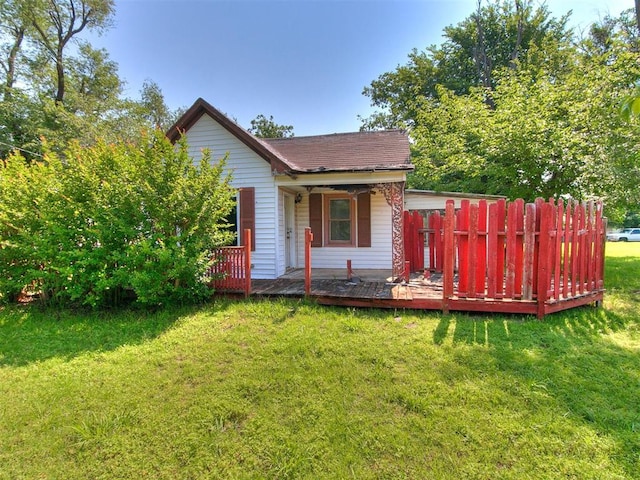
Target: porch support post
(308, 238)
(394, 195)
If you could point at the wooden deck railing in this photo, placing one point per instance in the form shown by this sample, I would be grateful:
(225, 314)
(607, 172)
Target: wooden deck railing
(231, 268)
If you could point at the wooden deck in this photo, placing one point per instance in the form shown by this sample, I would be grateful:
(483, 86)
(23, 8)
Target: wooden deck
(369, 290)
(419, 293)
(535, 259)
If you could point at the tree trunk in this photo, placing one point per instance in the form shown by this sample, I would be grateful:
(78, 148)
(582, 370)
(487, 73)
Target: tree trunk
(11, 62)
(483, 62)
(516, 48)
(60, 75)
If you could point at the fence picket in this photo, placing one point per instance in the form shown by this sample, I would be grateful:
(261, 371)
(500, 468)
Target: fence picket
(472, 255)
(462, 231)
(528, 271)
(566, 271)
(500, 252)
(492, 248)
(558, 217)
(511, 250)
(481, 258)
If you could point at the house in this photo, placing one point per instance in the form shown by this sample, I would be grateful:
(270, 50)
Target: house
(348, 187)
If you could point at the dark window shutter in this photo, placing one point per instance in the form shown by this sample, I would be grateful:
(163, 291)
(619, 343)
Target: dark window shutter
(315, 218)
(364, 220)
(248, 214)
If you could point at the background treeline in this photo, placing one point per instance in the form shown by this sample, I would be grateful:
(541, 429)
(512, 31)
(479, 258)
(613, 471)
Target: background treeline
(56, 85)
(514, 102)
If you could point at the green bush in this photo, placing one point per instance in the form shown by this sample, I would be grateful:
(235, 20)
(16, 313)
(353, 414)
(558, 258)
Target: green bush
(110, 222)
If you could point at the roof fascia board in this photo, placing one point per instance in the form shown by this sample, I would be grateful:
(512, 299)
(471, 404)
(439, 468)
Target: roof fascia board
(342, 178)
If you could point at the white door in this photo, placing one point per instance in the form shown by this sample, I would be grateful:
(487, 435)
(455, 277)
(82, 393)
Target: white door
(289, 231)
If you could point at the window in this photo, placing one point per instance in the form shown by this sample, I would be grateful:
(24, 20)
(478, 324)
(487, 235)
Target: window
(243, 216)
(232, 221)
(339, 220)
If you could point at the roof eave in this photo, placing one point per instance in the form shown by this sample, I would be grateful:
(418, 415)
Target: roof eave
(406, 168)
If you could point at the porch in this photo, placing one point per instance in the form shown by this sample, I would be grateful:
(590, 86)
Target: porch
(368, 287)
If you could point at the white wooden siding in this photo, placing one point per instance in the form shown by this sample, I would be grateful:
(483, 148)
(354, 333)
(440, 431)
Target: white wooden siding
(376, 256)
(247, 170)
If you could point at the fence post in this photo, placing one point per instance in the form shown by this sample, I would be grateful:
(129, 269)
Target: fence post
(546, 211)
(308, 238)
(449, 255)
(247, 262)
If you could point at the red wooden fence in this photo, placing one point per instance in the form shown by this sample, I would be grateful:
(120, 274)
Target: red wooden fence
(231, 267)
(542, 252)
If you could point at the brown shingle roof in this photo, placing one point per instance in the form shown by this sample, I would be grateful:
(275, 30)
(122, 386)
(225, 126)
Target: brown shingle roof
(342, 152)
(339, 152)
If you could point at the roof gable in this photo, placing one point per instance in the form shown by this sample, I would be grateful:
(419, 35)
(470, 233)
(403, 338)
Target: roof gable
(201, 107)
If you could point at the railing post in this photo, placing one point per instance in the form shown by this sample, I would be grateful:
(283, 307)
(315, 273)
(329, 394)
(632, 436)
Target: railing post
(308, 238)
(247, 262)
(349, 270)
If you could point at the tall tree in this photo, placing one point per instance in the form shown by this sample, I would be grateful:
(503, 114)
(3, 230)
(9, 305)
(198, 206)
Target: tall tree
(153, 106)
(57, 22)
(496, 36)
(14, 25)
(548, 132)
(264, 127)
(55, 85)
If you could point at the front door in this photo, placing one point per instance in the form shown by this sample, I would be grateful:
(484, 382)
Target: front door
(289, 231)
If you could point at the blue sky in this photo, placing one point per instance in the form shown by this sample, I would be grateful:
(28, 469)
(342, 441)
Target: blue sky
(305, 62)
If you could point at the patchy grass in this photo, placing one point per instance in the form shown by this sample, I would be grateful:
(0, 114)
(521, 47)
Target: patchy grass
(287, 389)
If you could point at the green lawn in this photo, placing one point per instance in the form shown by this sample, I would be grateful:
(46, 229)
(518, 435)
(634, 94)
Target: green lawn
(288, 389)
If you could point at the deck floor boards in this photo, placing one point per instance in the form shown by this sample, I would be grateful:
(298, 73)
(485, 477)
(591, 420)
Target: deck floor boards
(420, 293)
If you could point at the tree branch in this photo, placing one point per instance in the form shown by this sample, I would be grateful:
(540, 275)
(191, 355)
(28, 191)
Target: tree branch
(516, 48)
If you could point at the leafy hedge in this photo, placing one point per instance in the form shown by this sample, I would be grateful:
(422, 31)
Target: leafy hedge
(112, 222)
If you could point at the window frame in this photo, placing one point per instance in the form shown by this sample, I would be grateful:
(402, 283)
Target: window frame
(326, 220)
